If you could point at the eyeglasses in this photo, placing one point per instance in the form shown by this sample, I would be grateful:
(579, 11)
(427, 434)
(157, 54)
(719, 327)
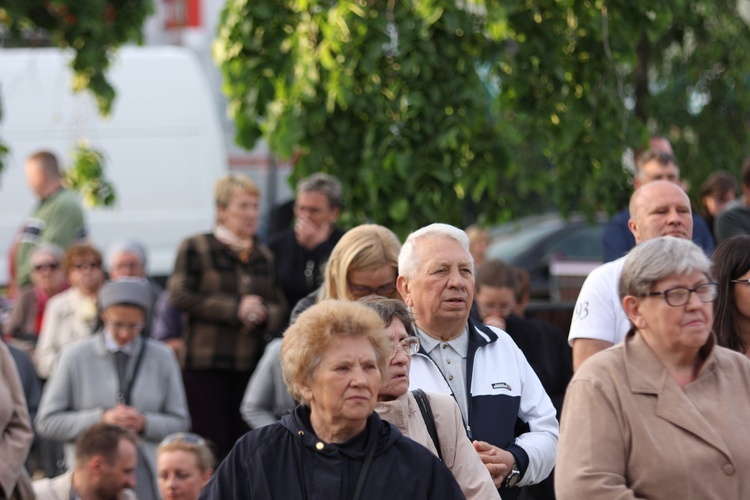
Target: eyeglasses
(744, 282)
(85, 266)
(186, 437)
(679, 296)
(363, 291)
(502, 310)
(47, 266)
(131, 327)
(409, 346)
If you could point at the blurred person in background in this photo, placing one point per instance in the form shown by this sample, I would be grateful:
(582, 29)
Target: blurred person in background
(731, 270)
(48, 279)
(119, 377)
(301, 251)
(16, 433)
(547, 352)
(364, 262)
(642, 417)
(439, 429)
(58, 218)
(333, 445)
(225, 283)
(735, 219)
(716, 193)
(70, 315)
(184, 463)
(105, 464)
(479, 240)
(127, 259)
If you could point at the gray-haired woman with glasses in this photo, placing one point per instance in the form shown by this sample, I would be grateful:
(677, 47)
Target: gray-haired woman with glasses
(400, 407)
(665, 413)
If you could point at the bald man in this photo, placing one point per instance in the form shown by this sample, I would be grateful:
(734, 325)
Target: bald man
(655, 164)
(658, 208)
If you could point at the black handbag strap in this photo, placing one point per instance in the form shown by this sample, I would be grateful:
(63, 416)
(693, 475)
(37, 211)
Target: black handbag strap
(429, 418)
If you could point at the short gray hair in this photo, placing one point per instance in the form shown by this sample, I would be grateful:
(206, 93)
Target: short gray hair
(660, 258)
(409, 260)
(126, 246)
(323, 184)
(48, 249)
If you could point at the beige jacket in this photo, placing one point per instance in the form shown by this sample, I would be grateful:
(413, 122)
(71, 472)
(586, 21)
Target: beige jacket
(15, 430)
(458, 452)
(58, 488)
(629, 431)
(68, 317)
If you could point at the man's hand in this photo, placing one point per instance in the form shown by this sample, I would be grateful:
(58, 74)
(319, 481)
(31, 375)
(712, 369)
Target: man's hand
(125, 416)
(499, 462)
(494, 320)
(251, 311)
(309, 235)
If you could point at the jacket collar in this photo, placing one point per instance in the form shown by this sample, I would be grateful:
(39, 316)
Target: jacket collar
(647, 375)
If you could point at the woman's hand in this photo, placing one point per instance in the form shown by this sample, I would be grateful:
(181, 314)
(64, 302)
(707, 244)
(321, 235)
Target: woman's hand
(251, 311)
(126, 417)
(498, 461)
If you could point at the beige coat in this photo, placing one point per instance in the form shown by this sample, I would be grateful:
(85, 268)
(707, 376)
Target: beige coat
(458, 452)
(15, 430)
(58, 488)
(629, 431)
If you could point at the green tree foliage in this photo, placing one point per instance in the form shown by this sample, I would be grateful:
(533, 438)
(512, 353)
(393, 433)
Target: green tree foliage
(435, 109)
(93, 29)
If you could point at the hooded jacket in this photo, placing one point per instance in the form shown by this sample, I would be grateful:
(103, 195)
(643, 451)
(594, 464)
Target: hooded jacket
(287, 460)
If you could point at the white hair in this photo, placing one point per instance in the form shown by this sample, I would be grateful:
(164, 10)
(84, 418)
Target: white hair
(409, 260)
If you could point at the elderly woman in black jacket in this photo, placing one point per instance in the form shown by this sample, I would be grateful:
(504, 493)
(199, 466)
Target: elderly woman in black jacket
(333, 445)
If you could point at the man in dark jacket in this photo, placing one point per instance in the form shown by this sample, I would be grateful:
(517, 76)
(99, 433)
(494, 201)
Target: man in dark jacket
(300, 251)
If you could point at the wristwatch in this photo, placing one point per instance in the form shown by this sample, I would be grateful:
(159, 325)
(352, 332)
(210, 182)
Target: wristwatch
(515, 475)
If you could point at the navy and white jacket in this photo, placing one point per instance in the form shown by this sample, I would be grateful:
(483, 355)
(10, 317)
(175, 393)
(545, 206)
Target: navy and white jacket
(501, 388)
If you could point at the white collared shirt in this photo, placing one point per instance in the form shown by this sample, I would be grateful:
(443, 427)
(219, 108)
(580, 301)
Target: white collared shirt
(450, 358)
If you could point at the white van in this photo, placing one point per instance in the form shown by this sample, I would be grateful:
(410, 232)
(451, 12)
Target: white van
(163, 144)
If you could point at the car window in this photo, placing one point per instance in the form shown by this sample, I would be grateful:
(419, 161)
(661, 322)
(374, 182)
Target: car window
(582, 243)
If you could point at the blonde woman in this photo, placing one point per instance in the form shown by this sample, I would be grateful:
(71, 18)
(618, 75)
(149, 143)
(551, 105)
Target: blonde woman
(364, 262)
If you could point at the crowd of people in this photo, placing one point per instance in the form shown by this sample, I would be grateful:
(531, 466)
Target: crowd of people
(345, 364)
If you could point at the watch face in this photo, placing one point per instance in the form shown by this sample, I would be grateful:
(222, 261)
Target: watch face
(513, 478)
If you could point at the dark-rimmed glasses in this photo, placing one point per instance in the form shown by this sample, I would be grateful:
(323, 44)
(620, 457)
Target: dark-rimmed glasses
(360, 291)
(679, 296)
(85, 266)
(409, 346)
(744, 282)
(47, 266)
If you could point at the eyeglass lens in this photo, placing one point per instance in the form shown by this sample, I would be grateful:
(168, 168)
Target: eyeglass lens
(681, 296)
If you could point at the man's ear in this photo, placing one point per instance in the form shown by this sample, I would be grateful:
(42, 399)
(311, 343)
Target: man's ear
(95, 465)
(633, 226)
(632, 306)
(402, 284)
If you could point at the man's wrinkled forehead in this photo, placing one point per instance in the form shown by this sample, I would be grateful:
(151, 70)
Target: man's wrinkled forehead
(434, 251)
